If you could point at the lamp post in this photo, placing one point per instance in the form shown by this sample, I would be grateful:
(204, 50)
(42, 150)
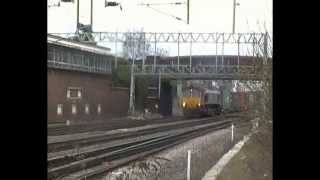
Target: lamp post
(234, 15)
(77, 29)
(91, 16)
(188, 10)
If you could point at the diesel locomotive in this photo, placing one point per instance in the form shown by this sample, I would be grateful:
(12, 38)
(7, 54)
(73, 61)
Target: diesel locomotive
(201, 102)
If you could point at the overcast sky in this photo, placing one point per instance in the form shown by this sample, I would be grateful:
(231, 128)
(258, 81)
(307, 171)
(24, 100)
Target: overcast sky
(205, 16)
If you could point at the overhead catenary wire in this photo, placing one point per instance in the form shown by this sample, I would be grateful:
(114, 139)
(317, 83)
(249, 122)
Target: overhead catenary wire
(165, 13)
(162, 4)
(162, 12)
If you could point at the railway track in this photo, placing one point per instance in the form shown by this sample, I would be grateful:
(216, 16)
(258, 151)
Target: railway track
(114, 124)
(94, 154)
(105, 136)
(109, 125)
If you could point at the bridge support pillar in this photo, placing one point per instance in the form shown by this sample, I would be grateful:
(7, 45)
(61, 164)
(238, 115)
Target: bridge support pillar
(176, 99)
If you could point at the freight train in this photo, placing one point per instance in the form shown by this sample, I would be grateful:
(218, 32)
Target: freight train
(205, 102)
(244, 101)
(201, 102)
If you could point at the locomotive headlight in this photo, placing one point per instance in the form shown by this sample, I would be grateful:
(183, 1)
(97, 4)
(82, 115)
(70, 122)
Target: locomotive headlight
(184, 104)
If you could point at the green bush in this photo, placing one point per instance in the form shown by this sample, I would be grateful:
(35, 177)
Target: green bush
(121, 75)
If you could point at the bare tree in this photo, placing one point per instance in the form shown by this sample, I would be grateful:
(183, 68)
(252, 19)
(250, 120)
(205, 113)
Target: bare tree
(263, 88)
(136, 46)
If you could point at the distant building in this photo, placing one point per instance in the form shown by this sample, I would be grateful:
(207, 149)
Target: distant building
(80, 82)
(72, 55)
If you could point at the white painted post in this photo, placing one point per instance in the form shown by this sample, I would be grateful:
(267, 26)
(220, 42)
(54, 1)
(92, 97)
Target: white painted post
(178, 52)
(232, 127)
(189, 162)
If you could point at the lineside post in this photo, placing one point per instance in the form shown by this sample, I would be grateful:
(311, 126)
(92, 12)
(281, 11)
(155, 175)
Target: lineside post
(232, 128)
(189, 165)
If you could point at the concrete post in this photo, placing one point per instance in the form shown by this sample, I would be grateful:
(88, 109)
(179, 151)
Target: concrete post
(232, 128)
(189, 165)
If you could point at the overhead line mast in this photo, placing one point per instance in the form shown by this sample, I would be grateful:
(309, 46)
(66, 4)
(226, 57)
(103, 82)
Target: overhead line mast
(188, 11)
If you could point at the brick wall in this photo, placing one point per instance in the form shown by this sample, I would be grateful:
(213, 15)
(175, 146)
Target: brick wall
(95, 90)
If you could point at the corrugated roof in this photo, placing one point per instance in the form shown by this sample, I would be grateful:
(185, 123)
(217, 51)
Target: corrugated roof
(77, 45)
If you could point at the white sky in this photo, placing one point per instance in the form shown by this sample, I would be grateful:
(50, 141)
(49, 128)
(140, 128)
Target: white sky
(205, 16)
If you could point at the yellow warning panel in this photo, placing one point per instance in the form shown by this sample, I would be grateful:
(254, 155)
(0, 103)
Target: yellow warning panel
(190, 102)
